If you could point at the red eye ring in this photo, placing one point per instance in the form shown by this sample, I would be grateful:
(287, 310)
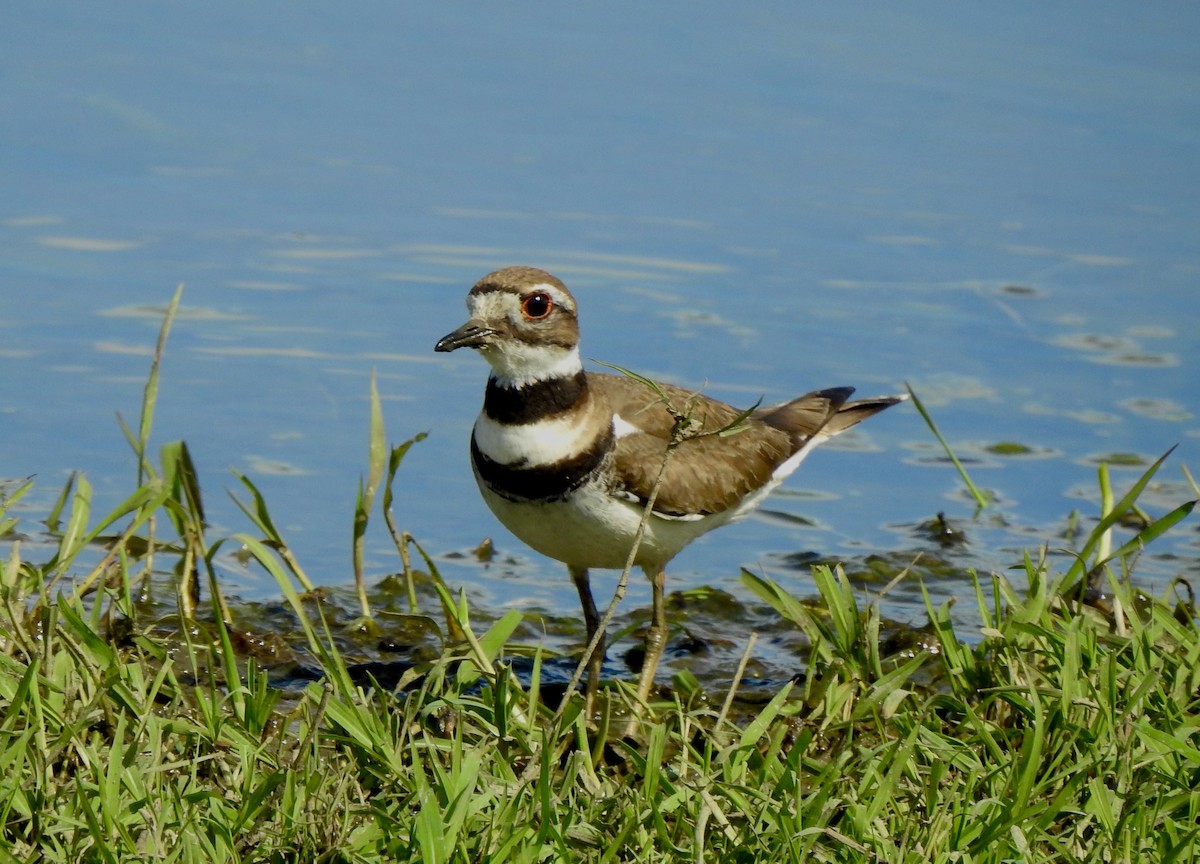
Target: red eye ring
(537, 306)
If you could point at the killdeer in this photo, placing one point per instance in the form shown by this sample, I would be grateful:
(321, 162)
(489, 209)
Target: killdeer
(567, 459)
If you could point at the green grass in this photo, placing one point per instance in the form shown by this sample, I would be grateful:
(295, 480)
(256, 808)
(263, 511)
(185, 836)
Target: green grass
(1069, 732)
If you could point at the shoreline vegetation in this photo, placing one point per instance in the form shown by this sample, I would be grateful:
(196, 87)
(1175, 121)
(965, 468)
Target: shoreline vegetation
(1066, 729)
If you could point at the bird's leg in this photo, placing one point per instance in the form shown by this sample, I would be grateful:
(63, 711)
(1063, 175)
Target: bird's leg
(656, 635)
(591, 620)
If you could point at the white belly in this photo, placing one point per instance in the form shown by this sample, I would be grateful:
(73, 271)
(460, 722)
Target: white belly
(590, 528)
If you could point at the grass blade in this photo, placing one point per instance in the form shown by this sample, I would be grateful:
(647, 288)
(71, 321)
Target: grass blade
(377, 457)
(1109, 519)
(150, 393)
(981, 498)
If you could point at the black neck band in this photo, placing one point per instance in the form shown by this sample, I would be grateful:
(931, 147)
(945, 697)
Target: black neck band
(533, 402)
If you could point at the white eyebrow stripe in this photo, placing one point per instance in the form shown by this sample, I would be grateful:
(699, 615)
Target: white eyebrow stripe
(498, 303)
(492, 306)
(559, 296)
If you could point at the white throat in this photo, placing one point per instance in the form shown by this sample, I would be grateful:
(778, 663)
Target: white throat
(519, 364)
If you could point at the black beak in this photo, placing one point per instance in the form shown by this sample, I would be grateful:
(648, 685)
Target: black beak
(473, 334)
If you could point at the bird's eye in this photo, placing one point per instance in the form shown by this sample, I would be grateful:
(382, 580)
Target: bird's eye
(537, 306)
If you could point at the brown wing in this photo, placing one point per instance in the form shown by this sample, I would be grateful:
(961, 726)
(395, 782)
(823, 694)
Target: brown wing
(712, 473)
(705, 475)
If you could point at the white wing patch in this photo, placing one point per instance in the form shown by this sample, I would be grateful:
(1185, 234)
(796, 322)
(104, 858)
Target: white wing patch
(670, 517)
(622, 427)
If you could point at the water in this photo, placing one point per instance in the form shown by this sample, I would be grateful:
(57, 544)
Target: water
(995, 205)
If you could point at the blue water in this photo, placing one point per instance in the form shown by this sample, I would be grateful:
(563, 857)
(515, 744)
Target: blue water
(997, 205)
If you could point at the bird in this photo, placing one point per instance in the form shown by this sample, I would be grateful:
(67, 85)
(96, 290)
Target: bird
(567, 459)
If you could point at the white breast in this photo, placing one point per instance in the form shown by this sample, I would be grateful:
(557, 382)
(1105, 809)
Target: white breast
(591, 528)
(541, 443)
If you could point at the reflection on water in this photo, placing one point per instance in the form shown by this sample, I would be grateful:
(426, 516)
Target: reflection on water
(789, 220)
(1157, 409)
(1117, 350)
(257, 465)
(87, 244)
